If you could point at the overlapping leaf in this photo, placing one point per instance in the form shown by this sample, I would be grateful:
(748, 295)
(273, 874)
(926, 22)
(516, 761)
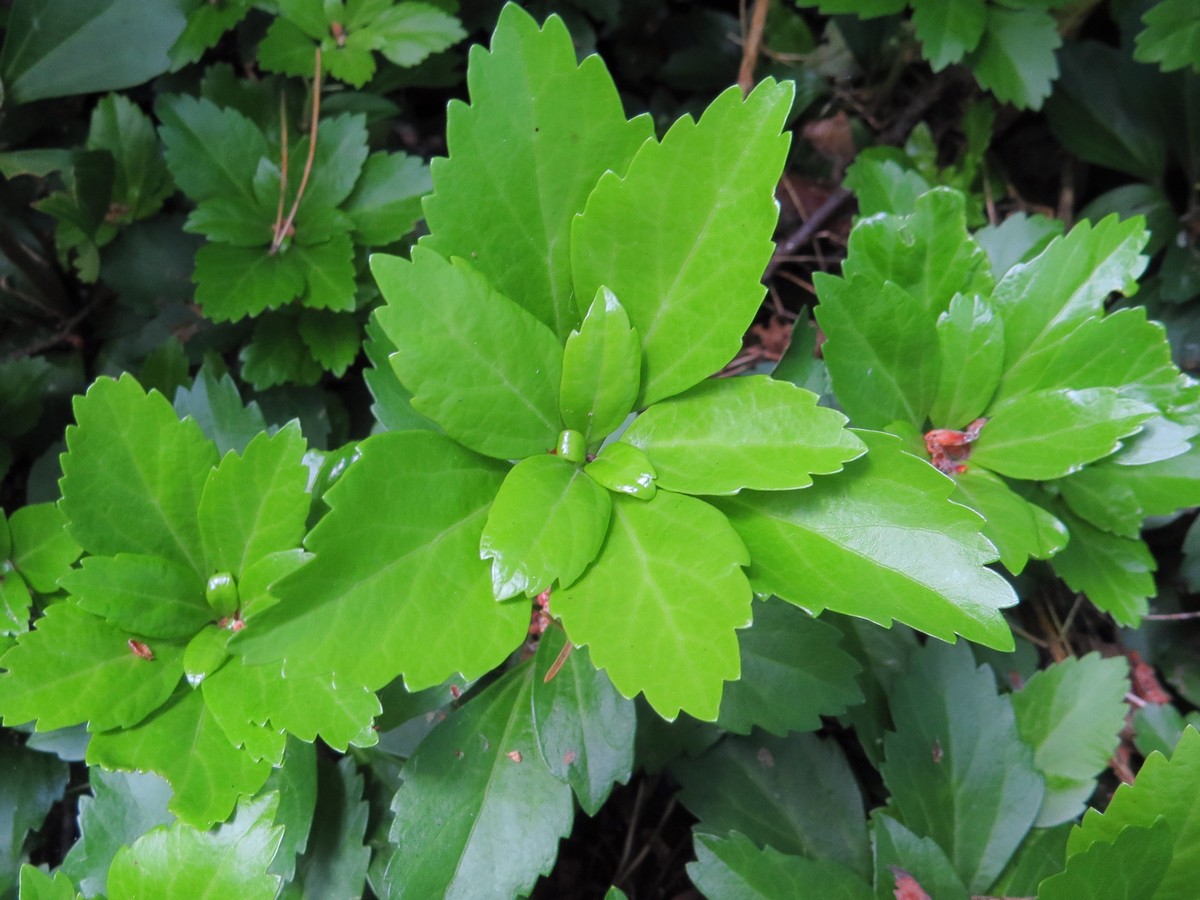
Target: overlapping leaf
(733, 868)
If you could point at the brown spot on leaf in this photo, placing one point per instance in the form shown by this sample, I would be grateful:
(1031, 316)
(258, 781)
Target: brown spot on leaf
(514, 755)
(907, 887)
(137, 648)
(569, 757)
(937, 751)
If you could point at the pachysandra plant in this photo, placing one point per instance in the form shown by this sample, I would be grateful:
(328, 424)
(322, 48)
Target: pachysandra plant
(1064, 425)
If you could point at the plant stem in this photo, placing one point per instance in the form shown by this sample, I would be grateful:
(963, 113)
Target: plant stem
(286, 227)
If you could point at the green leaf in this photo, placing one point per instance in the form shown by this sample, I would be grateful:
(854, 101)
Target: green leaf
(337, 165)
(880, 348)
(881, 543)
(214, 402)
(235, 282)
(144, 595)
(546, 524)
(141, 181)
(956, 767)
(474, 784)
(397, 584)
(971, 349)
(15, 601)
(179, 862)
(54, 48)
(1072, 714)
(1043, 853)
(900, 852)
(675, 565)
(1049, 434)
(1159, 728)
(274, 356)
(1131, 866)
(42, 549)
(733, 868)
(205, 25)
(754, 432)
(625, 469)
(883, 185)
(333, 339)
(296, 783)
(1171, 37)
(1162, 789)
(948, 30)
(408, 32)
(1114, 572)
(37, 885)
(163, 463)
(335, 862)
(500, 396)
(601, 362)
(75, 668)
(184, 744)
(1018, 528)
(123, 807)
(795, 793)
(255, 503)
(33, 782)
(787, 653)
(329, 269)
(211, 152)
(683, 237)
(927, 253)
(1017, 239)
(386, 201)
(1015, 59)
(205, 653)
(522, 147)
(585, 729)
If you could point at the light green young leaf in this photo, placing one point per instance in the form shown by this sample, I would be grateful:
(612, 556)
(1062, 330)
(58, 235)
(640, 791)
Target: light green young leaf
(205, 25)
(37, 885)
(144, 595)
(795, 793)
(948, 29)
(672, 565)
(585, 729)
(788, 654)
(500, 396)
(1072, 714)
(74, 667)
(255, 503)
(397, 585)
(164, 462)
(1171, 37)
(1015, 59)
(1161, 487)
(42, 548)
(601, 367)
(1131, 866)
(522, 146)
(15, 602)
(728, 434)
(881, 543)
(733, 868)
(971, 349)
(899, 851)
(625, 469)
(180, 862)
(183, 743)
(546, 524)
(475, 785)
(881, 350)
(683, 237)
(882, 184)
(1049, 434)
(1018, 528)
(1116, 573)
(956, 767)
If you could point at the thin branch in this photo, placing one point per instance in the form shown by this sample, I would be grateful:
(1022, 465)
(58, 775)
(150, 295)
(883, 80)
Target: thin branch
(277, 228)
(802, 235)
(1173, 617)
(308, 163)
(58, 336)
(752, 45)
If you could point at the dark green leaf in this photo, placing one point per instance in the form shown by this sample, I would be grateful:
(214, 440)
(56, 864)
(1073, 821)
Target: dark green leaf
(334, 865)
(276, 356)
(141, 180)
(1043, 853)
(214, 402)
(899, 852)
(211, 152)
(948, 29)
(1015, 59)
(296, 783)
(1171, 37)
(386, 200)
(733, 868)
(33, 782)
(408, 32)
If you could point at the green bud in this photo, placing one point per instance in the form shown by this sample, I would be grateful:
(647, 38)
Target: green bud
(222, 594)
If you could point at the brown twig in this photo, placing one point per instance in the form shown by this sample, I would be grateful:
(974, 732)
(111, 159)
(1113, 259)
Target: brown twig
(752, 45)
(802, 235)
(1172, 617)
(58, 336)
(286, 228)
(277, 227)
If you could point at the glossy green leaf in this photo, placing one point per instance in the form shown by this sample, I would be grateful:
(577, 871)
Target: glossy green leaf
(255, 503)
(928, 253)
(1161, 440)
(625, 469)
(144, 595)
(900, 852)
(971, 349)
(179, 862)
(1072, 714)
(123, 807)
(204, 654)
(546, 524)
(728, 434)
(881, 543)
(74, 667)
(183, 743)
(54, 48)
(397, 585)
(1161, 487)
(585, 729)
(475, 784)
(881, 350)
(733, 868)
(15, 601)
(601, 366)
(335, 861)
(1171, 36)
(1104, 499)
(1053, 433)
(1015, 60)
(1116, 573)
(1018, 528)
(214, 402)
(683, 237)
(42, 549)
(33, 782)
(956, 767)
(1131, 866)
(162, 462)
(948, 30)
(793, 672)
(673, 566)
(522, 146)
(1161, 789)
(386, 201)
(795, 793)
(500, 396)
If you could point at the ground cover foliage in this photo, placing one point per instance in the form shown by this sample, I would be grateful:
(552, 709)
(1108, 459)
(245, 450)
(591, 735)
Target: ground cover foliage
(374, 524)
